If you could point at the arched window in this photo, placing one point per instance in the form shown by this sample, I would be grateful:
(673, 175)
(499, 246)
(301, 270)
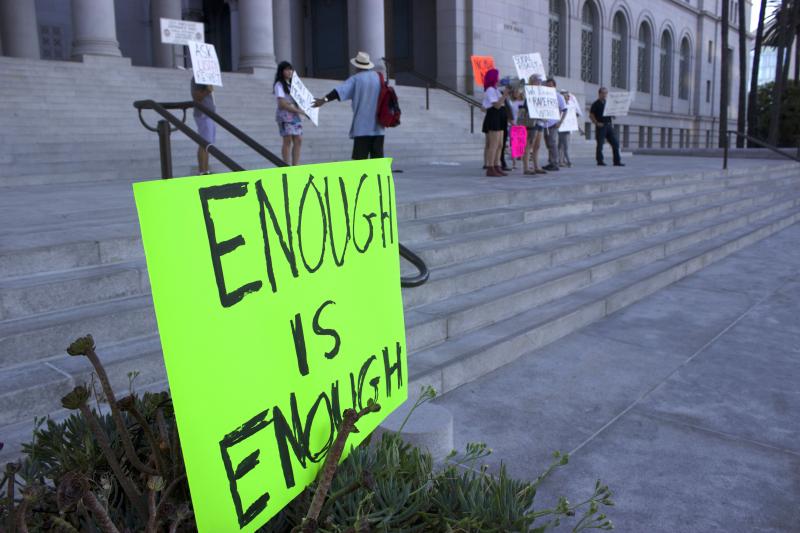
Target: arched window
(645, 54)
(665, 82)
(590, 35)
(684, 69)
(557, 38)
(619, 51)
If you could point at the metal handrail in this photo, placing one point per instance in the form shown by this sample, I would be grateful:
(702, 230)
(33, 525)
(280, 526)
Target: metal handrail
(471, 102)
(233, 130)
(163, 129)
(754, 141)
(438, 85)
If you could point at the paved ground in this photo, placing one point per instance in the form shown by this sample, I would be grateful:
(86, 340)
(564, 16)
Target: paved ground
(687, 403)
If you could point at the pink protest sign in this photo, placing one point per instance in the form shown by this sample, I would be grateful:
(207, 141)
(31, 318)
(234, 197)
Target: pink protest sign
(519, 136)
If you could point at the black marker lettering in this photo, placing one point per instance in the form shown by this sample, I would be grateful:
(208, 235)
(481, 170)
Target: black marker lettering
(300, 343)
(368, 217)
(319, 330)
(309, 184)
(294, 435)
(386, 214)
(338, 260)
(318, 456)
(218, 249)
(397, 367)
(288, 249)
(245, 431)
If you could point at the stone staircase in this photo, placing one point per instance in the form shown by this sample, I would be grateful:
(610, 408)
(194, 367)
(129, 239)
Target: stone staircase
(512, 270)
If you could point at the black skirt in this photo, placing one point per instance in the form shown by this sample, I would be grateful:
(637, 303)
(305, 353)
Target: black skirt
(494, 120)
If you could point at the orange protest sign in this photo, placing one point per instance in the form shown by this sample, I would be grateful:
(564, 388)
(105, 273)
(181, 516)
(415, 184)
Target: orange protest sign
(480, 66)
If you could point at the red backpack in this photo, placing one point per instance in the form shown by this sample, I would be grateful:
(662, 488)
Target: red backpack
(388, 106)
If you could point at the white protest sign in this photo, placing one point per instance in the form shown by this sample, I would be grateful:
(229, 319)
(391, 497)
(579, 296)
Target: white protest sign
(617, 104)
(205, 64)
(304, 99)
(571, 120)
(529, 64)
(542, 102)
(181, 31)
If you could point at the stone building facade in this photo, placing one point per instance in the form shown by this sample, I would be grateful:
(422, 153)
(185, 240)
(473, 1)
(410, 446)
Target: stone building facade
(666, 51)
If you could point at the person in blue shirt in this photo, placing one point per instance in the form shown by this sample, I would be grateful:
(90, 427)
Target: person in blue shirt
(364, 89)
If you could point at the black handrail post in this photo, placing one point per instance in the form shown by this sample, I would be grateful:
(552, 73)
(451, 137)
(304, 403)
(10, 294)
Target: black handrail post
(471, 118)
(165, 149)
(725, 150)
(427, 96)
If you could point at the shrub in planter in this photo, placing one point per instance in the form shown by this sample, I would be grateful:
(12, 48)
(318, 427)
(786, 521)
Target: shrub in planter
(123, 471)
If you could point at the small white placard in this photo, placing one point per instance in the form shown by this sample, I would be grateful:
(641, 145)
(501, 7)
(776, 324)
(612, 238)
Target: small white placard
(528, 65)
(304, 99)
(618, 104)
(181, 31)
(205, 64)
(571, 120)
(542, 102)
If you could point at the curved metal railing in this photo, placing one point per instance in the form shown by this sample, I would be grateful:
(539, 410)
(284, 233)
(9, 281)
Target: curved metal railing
(170, 123)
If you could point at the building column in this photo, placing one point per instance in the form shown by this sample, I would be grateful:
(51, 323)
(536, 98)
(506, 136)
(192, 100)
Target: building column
(370, 29)
(282, 24)
(163, 54)
(94, 29)
(255, 35)
(18, 28)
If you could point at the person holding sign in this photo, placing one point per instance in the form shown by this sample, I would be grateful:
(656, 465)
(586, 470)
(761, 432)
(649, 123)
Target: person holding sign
(551, 129)
(604, 129)
(364, 89)
(535, 127)
(494, 123)
(204, 95)
(569, 125)
(288, 115)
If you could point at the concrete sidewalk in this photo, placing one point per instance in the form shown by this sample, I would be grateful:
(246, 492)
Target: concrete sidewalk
(686, 404)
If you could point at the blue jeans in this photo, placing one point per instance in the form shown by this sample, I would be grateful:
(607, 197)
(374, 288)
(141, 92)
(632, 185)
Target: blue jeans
(606, 133)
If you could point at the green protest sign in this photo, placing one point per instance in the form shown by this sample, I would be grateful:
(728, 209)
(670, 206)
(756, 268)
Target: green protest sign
(277, 294)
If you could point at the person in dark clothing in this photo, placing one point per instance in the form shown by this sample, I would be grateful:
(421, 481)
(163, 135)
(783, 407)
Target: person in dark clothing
(604, 129)
(507, 117)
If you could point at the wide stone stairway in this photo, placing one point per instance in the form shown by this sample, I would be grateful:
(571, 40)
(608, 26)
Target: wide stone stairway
(515, 263)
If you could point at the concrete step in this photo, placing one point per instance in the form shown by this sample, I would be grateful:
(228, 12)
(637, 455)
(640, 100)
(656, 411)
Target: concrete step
(38, 387)
(624, 225)
(50, 291)
(37, 336)
(474, 354)
(472, 275)
(42, 292)
(472, 343)
(434, 323)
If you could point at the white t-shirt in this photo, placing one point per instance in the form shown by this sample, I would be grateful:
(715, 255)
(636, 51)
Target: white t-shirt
(279, 92)
(490, 97)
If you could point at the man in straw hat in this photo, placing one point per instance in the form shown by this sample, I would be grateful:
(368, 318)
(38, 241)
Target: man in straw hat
(363, 88)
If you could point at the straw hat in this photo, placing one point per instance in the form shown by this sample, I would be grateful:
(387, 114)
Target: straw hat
(362, 61)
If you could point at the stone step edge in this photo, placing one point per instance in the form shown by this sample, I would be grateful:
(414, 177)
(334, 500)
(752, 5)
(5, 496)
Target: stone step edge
(427, 249)
(492, 295)
(530, 206)
(499, 349)
(640, 199)
(422, 208)
(17, 325)
(130, 218)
